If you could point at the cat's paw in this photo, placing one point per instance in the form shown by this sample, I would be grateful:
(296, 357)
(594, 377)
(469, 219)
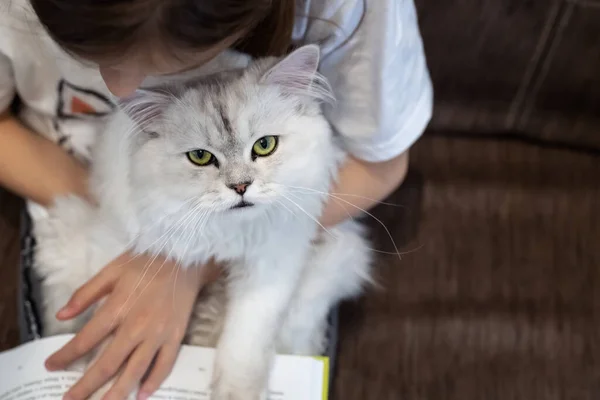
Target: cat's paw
(225, 392)
(234, 386)
(229, 392)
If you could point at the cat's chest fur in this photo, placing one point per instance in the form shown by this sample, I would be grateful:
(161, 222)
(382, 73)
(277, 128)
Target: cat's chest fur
(229, 237)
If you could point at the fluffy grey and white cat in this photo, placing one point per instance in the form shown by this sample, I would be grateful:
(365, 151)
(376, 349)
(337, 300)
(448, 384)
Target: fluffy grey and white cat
(235, 166)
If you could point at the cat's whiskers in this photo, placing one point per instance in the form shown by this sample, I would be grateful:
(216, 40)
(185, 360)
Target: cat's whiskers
(173, 225)
(167, 232)
(201, 220)
(173, 229)
(350, 216)
(197, 214)
(211, 208)
(383, 203)
(150, 226)
(397, 253)
(203, 224)
(307, 214)
(345, 209)
(318, 192)
(286, 207)
(271, 212)
(180, 225)
(194, 217)
(146, 268)
(190, 236)
(392, 253)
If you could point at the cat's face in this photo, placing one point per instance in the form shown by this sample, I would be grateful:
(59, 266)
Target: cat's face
(241, 144)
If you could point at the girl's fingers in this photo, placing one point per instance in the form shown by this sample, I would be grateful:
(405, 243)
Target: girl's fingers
(92, 291)
(160, 371)
(98, 328)
(137, 366)
(104, 368)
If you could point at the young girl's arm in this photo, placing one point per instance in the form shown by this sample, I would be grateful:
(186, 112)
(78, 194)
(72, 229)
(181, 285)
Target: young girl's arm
(379, 75)
(361, 185)
(34, 167)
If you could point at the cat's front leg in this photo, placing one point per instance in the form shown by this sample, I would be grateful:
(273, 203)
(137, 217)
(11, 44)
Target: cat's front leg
(260, 296)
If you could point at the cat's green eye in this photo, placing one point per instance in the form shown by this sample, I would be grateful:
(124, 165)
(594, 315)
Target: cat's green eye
(265, 146)
(200, 157)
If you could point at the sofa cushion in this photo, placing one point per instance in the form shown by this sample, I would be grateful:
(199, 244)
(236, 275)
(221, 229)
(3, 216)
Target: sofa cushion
(526, 66)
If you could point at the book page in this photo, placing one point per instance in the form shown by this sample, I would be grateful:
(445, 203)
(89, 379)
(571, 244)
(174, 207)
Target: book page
(23, 376)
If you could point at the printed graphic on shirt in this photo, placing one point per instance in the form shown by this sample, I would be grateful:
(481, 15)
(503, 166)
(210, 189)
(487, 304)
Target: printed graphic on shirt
(80, 116)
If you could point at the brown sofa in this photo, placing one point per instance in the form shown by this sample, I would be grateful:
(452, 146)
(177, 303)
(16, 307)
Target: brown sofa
(495, 296)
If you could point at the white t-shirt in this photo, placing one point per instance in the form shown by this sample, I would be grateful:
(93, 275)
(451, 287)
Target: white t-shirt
(372, 54)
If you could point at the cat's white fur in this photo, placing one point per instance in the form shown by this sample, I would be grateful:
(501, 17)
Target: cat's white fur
(284, 272)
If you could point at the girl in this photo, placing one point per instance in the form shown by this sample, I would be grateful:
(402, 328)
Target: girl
(68, 59)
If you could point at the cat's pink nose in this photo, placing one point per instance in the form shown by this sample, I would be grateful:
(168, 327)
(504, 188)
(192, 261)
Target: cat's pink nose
(240, 188)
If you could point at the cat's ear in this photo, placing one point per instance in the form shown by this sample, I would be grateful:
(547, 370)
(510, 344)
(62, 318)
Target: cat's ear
(298, 74)
(144, 105)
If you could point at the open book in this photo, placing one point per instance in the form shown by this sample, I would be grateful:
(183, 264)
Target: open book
(23, 376)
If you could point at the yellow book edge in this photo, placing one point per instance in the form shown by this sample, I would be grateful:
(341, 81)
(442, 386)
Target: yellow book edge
(325, 360)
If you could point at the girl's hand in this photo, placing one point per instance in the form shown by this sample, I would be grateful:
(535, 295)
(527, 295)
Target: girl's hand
(148, 307)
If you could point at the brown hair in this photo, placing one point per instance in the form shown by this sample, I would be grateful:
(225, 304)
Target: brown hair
(100, 29)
